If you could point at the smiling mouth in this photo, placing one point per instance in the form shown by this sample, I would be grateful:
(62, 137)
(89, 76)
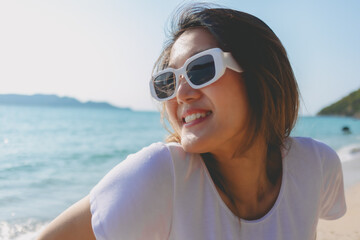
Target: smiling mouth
(195, 116)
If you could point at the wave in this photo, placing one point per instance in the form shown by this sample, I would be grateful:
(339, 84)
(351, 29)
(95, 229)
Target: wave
(349, 153)
(21, 230)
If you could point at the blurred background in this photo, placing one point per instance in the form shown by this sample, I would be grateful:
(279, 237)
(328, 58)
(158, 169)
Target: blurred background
(56, 146)
(105, 50)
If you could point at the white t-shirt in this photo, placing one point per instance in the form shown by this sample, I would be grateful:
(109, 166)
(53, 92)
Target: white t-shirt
(163, 192)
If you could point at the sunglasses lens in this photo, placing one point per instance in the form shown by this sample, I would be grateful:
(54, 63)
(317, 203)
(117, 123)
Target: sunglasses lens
(164, 85)
(201, 70)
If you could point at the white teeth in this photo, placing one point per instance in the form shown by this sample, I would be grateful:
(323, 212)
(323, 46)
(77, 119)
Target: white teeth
(195, 116)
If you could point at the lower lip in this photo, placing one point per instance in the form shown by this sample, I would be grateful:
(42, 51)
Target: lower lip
(197, 121)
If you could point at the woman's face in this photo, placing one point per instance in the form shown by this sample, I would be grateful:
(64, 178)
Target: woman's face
(213, 118)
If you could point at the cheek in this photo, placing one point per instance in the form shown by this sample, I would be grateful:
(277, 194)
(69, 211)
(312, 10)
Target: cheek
(230, 99)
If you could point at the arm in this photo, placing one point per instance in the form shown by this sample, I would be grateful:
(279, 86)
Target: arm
(134, 201)
(74, 223)
(333, 204)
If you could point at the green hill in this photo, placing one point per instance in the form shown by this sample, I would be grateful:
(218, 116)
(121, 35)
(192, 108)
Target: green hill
(348, 106)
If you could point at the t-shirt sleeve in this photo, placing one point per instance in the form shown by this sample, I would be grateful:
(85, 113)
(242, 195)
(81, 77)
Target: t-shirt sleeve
(134, 200)
(333, 204)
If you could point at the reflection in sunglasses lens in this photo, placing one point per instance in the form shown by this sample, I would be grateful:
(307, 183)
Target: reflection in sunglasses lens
(201, 70)
(164, 85)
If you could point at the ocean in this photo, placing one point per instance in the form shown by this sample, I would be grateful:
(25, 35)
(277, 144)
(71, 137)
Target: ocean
(52, 157)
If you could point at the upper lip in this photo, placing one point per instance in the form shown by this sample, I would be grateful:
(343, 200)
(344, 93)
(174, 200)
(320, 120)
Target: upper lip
(192, 111)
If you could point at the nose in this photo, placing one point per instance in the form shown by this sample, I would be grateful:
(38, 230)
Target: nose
(185, 93)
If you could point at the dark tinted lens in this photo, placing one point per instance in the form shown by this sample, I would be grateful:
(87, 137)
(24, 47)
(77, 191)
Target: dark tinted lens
(164, 85)
(201, 70)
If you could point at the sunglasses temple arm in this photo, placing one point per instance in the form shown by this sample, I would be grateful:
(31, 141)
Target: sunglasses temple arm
(231, 63)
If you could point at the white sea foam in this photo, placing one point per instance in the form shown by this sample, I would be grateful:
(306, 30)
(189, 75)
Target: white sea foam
(349, 153)
(26, 230)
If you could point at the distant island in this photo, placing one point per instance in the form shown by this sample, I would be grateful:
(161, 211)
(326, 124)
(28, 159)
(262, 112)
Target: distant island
(51, 101)
(348, 106)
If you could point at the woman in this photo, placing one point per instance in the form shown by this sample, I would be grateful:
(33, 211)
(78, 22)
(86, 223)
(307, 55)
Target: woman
(230, 169)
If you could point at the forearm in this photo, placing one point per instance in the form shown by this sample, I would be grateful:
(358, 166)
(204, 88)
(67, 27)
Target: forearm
(74, 223)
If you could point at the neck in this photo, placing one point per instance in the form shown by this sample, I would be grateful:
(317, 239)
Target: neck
(247, 190)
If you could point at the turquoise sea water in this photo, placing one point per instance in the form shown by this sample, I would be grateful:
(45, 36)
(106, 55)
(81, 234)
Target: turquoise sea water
(52, 157)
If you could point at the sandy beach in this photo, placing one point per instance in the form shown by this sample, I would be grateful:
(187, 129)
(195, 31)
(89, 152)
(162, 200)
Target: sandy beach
(347, 227)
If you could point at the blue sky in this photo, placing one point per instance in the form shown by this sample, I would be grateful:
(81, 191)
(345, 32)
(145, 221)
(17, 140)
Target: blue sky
(105, 50)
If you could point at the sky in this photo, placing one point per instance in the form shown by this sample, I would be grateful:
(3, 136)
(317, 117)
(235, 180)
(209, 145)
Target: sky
(105, 50)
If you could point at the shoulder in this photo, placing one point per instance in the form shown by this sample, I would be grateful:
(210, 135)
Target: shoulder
(312, 150)
(176, 151)
(146, 164)
(324, 170)
(142, 183)
(159, 152)
(306, 143)
(315, 169)
(310, 161)
(153, 152)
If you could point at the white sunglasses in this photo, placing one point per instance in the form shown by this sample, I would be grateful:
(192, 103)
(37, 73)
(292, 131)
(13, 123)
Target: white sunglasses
(199, 71)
